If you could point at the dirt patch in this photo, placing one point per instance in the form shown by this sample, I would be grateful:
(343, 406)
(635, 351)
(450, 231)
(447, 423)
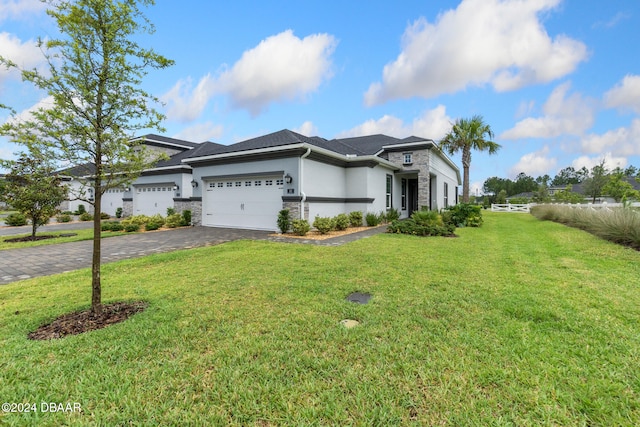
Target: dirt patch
(30, 239)
(315, 235)
(85, 321)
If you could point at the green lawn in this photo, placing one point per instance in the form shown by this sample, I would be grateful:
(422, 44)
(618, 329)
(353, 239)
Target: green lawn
(520, 322)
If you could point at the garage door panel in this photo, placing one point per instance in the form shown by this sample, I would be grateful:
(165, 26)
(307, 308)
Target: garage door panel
(252, 202)
(151, 200)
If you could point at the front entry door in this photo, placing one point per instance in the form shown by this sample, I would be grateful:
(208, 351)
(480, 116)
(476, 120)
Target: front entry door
(412, 194)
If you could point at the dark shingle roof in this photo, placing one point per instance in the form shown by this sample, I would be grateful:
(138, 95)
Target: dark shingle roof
(150, 138)
(368, 145)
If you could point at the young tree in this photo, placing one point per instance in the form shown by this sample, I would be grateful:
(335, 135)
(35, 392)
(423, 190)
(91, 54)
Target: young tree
(32, 188)
(467, 135)
(96, 70)
(618, 187)
(597, 180)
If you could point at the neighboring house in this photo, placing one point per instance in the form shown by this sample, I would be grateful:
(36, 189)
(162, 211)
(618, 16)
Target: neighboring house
(167, 185)
(246, 184)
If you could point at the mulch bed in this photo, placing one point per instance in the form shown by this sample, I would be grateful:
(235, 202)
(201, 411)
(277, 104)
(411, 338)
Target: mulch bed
(30, 239)
(85, 321)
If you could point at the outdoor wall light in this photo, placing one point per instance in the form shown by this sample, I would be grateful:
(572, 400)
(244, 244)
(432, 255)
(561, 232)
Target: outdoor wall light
(127, 189)
(176, 187)
(194, 183)
(288, 179)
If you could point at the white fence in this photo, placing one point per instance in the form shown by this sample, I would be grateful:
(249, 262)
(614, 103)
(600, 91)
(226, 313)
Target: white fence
(527, 207)
(511, 208)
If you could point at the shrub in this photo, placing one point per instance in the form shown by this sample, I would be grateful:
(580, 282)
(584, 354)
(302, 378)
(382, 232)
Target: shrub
(284, 220)
(300, 227)
(170, 211)
(323, 224)
(427, 218)
(86, 216)
(139, 220)
(81, 210)
(372, 219)
(173, 221)
(130, 228)
(186, 218)
(151, 226)
(341, 222)
(355, 219)
(104, 215)
(15, 219)
(411, 227)
(111, 226)
(466, 215)
(63, 218)
(119, 213)
(392, 215)
(67, 213)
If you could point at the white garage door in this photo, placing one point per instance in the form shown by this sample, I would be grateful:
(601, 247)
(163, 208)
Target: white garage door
(112, 200)
(152, 199)
(247, 202)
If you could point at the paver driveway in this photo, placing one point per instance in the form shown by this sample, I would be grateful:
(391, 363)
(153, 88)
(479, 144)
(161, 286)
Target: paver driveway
(24, 263)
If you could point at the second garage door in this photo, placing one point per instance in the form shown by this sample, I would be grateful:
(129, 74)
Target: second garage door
(153, 199)
(247, 202)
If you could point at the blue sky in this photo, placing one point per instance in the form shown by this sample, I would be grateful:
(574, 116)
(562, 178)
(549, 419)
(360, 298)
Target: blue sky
(558, 81)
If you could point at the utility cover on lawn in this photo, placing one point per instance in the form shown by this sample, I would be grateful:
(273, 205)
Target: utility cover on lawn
(359, 297)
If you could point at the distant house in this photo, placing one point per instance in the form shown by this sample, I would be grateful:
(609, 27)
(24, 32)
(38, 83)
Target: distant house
(245, 185)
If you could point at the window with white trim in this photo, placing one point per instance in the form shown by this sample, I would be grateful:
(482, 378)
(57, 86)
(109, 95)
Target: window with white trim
(403, 198)
(238, 183)
(247, 183)
(257, 183)
(446, 195)
(407, 158)
(221, 184)
(389, 189)
(268, 182)
(229, 184)
(279, 182)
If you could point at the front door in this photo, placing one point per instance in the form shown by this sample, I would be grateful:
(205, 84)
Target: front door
(412, 195)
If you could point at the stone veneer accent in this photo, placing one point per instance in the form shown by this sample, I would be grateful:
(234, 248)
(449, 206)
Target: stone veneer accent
(421, 164)
(127, 207)
(195, 205)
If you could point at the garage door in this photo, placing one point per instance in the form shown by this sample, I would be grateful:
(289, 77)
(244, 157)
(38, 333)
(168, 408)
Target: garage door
(112, 200)
(247, 202)
(152, 199)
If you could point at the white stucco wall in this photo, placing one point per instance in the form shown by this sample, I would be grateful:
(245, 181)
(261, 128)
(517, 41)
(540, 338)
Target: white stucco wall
(444, 173)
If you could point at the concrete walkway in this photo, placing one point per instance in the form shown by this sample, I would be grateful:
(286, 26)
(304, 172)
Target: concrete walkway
(25, 263)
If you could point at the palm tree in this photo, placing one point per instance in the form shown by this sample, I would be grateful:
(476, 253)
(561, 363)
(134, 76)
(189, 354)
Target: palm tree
(465, 135)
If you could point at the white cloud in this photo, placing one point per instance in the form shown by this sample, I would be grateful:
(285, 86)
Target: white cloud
(281, 67)
(534, 164)
(624, 141)
(610, 161)
(207, 131)
(17, 9)
(563, 115)
(498, 42)
(26, 115)
(26, 55)
(307, 129)
(433, 124)
(186, 104)
(625, 95)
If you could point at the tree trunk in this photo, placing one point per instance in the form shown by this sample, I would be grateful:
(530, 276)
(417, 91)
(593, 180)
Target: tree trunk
(466, 163)
(96, 288)
(34, 227)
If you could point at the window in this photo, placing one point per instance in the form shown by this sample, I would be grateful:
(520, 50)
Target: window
(247, 183)
(279, 182)
(220, 184)
(407, 158)
(238, 184)
(389, 187)
(212, 184)
(446, 195)
(229, 184)
(268, 182)
(403, 198)
(257, 183)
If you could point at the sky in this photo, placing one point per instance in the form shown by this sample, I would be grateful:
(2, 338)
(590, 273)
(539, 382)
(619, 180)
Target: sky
(558, 81)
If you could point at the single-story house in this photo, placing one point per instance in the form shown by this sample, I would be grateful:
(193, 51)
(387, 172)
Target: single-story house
(246, 184)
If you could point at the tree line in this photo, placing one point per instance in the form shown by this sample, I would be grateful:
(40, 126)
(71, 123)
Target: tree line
(568, 185)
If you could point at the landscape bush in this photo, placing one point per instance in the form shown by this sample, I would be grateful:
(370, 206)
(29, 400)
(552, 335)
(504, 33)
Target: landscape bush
(618, 225)
(139, 220)
(155, 222)
(104, 215)
(173, 220)
(323, 224)
(300, 227)
(81, 210)
(170, 211)
(86, 216)
(466, 215)
(186, 218)
(423, 223)
(111, 226)
(63, 218)
(355, 219)
(15, 219)
(284, 220)
(341, 222)
(372, 219)
(392, 215)
(119, 213)
(131, 228)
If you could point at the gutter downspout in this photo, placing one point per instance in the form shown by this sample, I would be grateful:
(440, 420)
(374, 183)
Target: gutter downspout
(301, 175)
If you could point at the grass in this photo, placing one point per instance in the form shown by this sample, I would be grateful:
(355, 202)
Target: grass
(83, 234)
(520, 322)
